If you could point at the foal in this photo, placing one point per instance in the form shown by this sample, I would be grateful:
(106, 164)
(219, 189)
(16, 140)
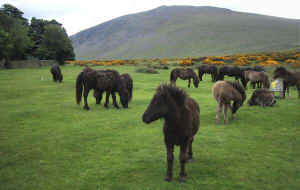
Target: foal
(225, 92)
(181, 115)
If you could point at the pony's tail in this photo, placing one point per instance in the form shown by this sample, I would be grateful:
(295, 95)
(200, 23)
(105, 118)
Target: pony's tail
(171, 76)
(79, 87)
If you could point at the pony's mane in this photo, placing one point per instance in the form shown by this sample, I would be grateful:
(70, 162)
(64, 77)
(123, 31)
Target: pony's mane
(239, 88)
(178, 94)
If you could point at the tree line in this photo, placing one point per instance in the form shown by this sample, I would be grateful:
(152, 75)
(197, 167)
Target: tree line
(39, 39)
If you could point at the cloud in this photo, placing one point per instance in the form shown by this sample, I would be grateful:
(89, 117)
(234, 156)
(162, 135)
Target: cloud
(77, 15)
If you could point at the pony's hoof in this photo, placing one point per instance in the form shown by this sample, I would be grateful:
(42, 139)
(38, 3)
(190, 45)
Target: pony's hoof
(86, 108)
(217, 121)
(168, 178)
(225, 122)
(106, 106)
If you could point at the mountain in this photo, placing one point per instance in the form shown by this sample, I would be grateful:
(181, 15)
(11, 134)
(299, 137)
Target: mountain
(181, 31)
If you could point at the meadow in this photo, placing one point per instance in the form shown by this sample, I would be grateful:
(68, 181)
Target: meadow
(49, 142)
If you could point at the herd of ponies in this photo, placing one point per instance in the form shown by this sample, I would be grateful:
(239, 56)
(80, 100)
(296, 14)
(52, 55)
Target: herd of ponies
(180, 112)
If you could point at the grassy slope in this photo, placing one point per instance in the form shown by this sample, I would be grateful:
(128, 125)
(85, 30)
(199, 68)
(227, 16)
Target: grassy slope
(48, 142)
(186, 31)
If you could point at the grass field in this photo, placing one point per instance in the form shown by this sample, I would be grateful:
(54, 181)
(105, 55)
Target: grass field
(49, 142)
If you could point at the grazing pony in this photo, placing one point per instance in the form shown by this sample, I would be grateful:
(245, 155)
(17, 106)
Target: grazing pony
(101, 80)
(262, 97)
(225, 92)
(127, 82)
(56, 73)
(184, 74)
(181, 115)
(256, 77)
(209, 69)
(289, 79)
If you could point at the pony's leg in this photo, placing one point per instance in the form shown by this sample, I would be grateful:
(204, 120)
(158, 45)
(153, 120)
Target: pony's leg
(284, 89)
(99, 97)
(189, 85)
(107, 99)
(288, 91)
(200, 76)
(183, 158)
(114, 100)
(225, 113)
(190, 158)
(170, 158)
(85, 95)
(219, 111)
(298, 88)
(232, 114)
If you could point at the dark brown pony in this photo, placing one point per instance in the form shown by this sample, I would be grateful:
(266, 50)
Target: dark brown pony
(225, 92)
(289, 79)
(256, 77)
(101, 80)
(181, 115)
(232, 71)
(184, 74)
(209, 69)
(127, 82)
(56, 73)
(262, 97)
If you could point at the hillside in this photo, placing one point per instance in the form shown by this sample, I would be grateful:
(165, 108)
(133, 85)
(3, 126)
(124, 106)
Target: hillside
(181, 31)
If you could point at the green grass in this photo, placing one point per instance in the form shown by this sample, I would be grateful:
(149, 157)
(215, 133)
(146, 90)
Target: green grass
(49, 142)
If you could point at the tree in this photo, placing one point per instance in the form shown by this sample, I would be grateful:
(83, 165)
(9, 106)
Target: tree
(36, 31)
(55, 44)
(14, 41)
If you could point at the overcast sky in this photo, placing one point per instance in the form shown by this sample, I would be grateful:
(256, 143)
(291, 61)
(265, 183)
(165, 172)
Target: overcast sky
(77, 15)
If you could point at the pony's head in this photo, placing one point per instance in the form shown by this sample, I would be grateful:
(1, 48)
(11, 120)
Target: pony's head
(124, 96)
(164, 103)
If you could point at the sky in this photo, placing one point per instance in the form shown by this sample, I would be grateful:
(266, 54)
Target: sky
(77, 15)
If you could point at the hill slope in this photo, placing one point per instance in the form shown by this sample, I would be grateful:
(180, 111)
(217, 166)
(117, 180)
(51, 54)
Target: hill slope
(180, 31)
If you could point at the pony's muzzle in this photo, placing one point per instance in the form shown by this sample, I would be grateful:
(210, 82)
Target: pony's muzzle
(145, 119)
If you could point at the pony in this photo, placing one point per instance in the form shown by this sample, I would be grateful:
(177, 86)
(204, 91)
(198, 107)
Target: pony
(56, 73)
(289, 79)
(184, 74)
(181, 123)
(262, 97)
(127, 82)
(101, 80)
(256, 77)
(210, 69)
(235, 72)
(224, 92)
